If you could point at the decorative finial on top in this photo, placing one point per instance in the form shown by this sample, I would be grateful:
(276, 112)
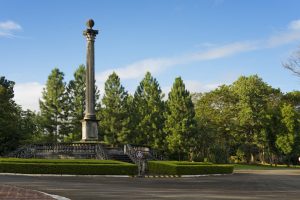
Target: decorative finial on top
(90, 23)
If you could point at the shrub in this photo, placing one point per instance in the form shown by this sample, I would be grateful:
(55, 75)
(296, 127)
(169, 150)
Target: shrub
(76, 167)
(73, 161)
(187, 168)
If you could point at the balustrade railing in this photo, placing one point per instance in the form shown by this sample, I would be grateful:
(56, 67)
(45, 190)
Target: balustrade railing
(81, 150)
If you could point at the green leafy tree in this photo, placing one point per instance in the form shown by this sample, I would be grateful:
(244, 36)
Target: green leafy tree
(9, 118)
(252, 94)
(215, 112)
(272, 127)
(180, 124)
(149, 108)
(115, 123)
(30, 127)
(290, 132)
(53, 107)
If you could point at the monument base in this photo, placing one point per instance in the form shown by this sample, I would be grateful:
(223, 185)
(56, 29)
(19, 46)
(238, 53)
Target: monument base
(89, 130)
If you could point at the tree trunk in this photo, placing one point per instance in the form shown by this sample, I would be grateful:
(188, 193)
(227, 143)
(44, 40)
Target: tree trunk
(252, 158)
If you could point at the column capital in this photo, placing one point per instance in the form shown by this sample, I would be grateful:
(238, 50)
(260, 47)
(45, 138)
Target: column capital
(90, 34)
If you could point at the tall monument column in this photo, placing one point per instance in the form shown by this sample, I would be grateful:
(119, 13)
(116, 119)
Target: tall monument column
(90, 123)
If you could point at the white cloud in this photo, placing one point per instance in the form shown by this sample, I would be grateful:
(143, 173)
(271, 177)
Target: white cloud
(138, 69)
(197, 86)
(223, 51)
(291, 34)
(193, 86)
(28, 94)
(294, 25)
(10, 25)
(8, 28)
(284, 38)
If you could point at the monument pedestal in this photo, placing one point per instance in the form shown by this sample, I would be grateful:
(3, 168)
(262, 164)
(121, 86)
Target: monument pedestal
(89, 130)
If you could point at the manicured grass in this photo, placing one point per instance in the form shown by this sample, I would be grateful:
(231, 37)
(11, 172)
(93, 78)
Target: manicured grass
(66, 166)
(187, 168)
(262, 167)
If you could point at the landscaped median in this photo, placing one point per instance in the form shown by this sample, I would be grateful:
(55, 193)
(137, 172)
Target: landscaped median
(187, 168)
(66, 166)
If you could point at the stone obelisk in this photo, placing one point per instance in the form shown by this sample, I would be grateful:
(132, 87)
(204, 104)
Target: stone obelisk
(90, 123)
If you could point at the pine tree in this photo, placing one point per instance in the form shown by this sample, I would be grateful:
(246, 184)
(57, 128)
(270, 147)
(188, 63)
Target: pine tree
(149, 108)
(76, 93)
(75, 106)
(53, 106)
(115, 119)
(180, 121)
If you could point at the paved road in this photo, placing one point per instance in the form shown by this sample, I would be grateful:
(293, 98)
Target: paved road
(252, 185)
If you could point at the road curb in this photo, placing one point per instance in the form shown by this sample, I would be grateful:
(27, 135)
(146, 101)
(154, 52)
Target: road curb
(113, 176)
(184, 176)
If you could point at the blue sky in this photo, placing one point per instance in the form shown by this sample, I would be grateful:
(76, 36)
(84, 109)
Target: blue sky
(206, 42)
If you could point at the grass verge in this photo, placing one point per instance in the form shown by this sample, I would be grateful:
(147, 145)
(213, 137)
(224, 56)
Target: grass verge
(262, 167)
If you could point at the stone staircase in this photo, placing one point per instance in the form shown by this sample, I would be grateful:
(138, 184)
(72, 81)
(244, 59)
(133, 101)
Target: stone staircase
(115, 153)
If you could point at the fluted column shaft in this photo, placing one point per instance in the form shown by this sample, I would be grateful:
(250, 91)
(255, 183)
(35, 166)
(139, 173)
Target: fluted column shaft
(90, 75)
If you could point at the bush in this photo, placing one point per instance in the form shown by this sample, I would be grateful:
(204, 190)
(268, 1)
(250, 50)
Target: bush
(187, 168)
(73, 161)
(187, 163)
(76, 167)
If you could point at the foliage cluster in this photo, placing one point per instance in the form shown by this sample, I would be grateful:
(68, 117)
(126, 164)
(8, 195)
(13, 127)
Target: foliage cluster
(248, 121)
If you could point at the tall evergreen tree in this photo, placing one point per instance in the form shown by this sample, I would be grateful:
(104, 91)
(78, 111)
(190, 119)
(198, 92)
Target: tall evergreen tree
(149, 108)
(76, 92)
(180, 121)
(53, 106)
(115, 119)
(75, 104)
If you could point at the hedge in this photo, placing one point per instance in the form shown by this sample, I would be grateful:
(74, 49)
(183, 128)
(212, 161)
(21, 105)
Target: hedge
(186, 163)
(73, 161)
(187, 168)
(92, 167)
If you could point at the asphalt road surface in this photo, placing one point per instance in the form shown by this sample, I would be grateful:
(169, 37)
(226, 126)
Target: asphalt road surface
(248, 184)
